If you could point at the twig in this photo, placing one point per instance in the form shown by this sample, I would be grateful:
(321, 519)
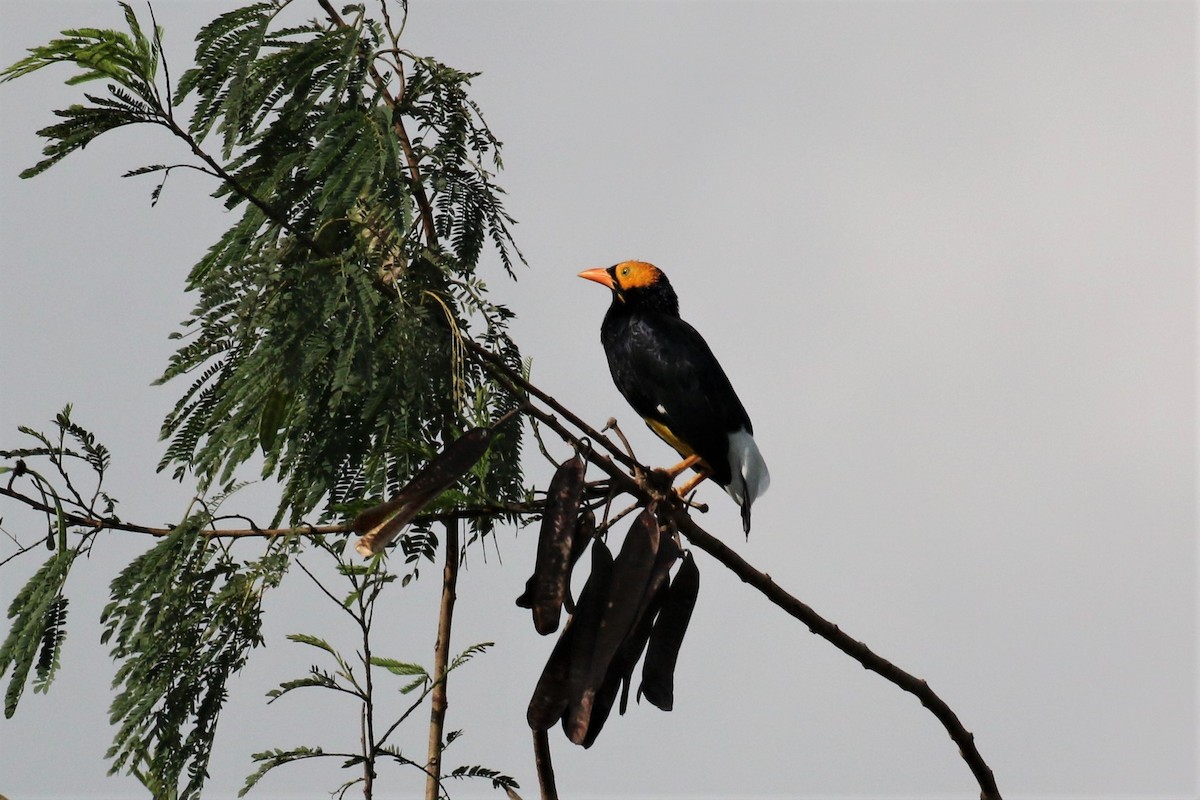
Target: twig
(615, 428)
(499, 368)
(95, 523)
(369, 747)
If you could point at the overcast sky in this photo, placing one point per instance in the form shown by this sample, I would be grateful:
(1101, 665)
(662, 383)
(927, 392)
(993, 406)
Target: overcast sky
(947, 254)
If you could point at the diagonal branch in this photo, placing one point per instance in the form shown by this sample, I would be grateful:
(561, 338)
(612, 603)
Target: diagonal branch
(852, 647)
(646, 492)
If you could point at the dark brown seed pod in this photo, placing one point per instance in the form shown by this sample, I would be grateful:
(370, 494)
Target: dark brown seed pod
(585, 531)
(652, 603)
(658, 670)
(550, 572)
(630, 574)
(380, 524)
(552, 693)
(620, 671)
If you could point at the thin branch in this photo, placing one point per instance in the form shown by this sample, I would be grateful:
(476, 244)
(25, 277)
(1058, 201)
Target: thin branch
(671, 505)
(96, 523)
(22, 551)
(369, 747)
(324, 590)
(268, 211)
(857, 650)
(399, 720)
(545, 767)
(441, 661)
(520, 388)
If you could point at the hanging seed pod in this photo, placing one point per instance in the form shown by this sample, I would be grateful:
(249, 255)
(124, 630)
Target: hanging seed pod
(380, 524)
(585, 531)
(552, 693)
(551, 571)
(652, 603)
(630, 574)
(620, 671)
(658, 670)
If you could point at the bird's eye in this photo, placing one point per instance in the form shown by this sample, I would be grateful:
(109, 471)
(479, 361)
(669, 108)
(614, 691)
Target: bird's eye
(625, 271)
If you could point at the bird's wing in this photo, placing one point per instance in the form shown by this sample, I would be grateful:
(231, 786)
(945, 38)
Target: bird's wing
(676, 381)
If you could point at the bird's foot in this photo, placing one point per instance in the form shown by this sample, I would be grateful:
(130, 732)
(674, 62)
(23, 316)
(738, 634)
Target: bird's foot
(658, 483)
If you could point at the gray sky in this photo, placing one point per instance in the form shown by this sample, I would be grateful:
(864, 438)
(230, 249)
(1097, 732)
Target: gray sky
(946, 252)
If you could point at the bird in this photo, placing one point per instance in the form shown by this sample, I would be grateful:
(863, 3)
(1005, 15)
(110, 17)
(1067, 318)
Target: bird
(667, 372)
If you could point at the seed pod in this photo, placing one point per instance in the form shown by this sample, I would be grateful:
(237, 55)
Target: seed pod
(585, 531)
(552, 693)
(658, 670)
(630, 574)
(620, 671)
(550, 573)
(380, 524)
(652, 603)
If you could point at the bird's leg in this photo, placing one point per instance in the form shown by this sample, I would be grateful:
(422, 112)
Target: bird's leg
(690, 461)
(702, 472)
(693, 482)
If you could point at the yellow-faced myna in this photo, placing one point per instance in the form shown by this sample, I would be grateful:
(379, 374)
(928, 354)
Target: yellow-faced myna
(667, 372)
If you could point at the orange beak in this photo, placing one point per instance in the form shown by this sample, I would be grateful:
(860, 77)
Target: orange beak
(599, 275)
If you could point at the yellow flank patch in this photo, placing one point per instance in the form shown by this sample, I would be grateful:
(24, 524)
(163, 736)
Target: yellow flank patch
(665, 434)
(636, 274)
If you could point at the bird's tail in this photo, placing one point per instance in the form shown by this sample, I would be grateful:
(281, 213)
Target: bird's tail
(750, 478)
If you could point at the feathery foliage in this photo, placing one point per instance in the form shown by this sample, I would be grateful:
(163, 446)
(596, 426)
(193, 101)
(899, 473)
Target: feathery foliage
(39, 609)
(326, 333)
(183, 619)
(326, 337)
(36, 636)
(357, 677)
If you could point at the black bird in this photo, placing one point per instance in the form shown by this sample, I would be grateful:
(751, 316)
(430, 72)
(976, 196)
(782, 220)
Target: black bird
(667, 372)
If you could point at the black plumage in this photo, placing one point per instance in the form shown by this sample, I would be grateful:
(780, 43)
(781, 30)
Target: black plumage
(668, 373)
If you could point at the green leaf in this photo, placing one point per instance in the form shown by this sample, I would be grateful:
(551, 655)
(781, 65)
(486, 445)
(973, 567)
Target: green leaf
(37, 612)
(270, 759)
(469, 653)
(313, 641)
(399, 667)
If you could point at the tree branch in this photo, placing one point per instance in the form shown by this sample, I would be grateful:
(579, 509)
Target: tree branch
(99, 523)
(852, 647)
(221, 173)
(441, 661)
(647, 489)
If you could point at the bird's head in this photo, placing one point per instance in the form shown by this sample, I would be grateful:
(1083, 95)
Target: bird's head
(636, 284)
